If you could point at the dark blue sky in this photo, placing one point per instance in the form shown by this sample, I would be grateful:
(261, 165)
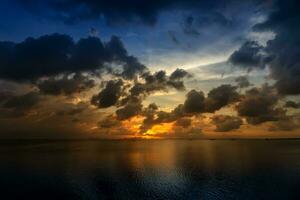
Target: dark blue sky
(170, 34)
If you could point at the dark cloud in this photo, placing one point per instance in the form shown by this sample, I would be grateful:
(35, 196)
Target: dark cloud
(217, 98)
(226, 123)
(131, 109)
(19, 105)
(259, 105)
(183, 122)
(23, 101)
(242, 82)
(110, 95)
(128, 98)
(220, 97)
(54, 54)
(292, 104)
(71, 109)
(287, 123)
(65, 85)
(109, 122)
(249, 55)
(154, 82)
(194, 102)
(282, 52)
(179, 74)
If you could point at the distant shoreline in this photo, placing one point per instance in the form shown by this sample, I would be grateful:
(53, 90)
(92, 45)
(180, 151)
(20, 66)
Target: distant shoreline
(41, 140)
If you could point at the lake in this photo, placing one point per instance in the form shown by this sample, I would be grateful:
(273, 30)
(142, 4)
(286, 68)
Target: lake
(150, 169)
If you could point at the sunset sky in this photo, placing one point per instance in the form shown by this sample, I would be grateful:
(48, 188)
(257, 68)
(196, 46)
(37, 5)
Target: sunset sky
(149, 69)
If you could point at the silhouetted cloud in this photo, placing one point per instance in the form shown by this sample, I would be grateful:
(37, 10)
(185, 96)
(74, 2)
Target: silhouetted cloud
(287, 123)
(109, 122)
(242, 82)
(54, 54)
(110, 95)
(131, 109)
(250, 55)
(194, 102)
(71, 109)
(18, 105)
(65, 85)
(217, 98)
(282, 52)
(226, 123)
(258, 105)
(292, 104)
(220, 97)
(183, 122)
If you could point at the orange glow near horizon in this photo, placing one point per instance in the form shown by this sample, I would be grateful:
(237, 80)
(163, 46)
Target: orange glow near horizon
(159, 129)
(133, 124)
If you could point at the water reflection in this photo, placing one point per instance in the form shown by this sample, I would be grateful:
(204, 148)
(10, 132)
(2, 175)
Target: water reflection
(167, 169)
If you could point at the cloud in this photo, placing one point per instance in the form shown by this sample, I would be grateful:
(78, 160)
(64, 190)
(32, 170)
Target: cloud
(179, 74)
(258, 105)
(226, 123)
(109, 122)
(65, 85)
(250, 55)
(18, 105)
(110, 95)
(287, 123)
(194, 102)
(292, 104)
(282, 52)
(183, 122)
(131, 109)
(217, 98)
(242, 82)
(71, 109)
(54, 54)
(220, 97)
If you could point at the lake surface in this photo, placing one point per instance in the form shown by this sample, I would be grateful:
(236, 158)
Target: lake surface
(162, 169)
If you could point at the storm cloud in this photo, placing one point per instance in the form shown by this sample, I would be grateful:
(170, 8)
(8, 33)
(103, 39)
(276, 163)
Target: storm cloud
(18, 105)
(282, 52)
(259, 105)
(65, 85)
(226, 123)
(110, 95)
(50, 55)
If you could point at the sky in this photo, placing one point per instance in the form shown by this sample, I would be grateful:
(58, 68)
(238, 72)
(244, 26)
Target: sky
(149, 69)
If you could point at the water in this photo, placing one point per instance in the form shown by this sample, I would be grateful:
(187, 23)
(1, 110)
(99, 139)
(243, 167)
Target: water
(167, 169)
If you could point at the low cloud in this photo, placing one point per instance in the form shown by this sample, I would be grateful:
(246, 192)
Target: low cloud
(258, 105)
(19, 105)
(225, 123)
(292, 104)
(65, 85)
(110, 95)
